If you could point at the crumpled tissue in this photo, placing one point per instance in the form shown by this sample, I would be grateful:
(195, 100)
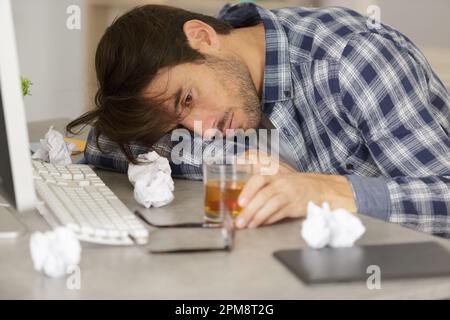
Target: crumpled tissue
(152, 180)
(53, 252)
(337, 228)
(54, 149)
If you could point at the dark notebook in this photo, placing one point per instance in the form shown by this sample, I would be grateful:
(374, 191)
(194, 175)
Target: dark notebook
(392, 261)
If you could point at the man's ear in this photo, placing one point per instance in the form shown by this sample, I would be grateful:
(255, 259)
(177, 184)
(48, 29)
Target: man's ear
(201, 36)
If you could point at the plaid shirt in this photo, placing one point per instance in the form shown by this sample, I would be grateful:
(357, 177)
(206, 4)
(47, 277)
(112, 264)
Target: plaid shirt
(349, 100)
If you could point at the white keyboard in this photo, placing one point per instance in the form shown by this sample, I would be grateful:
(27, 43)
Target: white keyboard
(80, 200)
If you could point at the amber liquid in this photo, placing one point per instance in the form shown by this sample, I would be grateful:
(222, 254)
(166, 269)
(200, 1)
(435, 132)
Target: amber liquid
(223, 199)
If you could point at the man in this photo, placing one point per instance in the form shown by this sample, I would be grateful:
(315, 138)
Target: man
(360, 110)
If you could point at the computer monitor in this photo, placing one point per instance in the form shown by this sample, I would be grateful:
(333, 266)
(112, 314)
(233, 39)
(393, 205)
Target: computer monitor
(16, 179)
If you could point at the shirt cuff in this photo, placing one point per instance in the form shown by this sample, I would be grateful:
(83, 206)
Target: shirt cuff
(371, 196)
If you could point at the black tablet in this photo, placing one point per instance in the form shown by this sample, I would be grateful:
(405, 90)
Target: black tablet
(358, 263)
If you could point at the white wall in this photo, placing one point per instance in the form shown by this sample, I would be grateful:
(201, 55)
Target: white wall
(52, 56)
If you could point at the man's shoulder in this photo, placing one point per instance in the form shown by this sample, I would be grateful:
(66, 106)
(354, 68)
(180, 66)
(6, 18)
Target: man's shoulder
(320, 33)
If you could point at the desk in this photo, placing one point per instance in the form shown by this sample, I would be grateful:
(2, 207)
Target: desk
(247, 272)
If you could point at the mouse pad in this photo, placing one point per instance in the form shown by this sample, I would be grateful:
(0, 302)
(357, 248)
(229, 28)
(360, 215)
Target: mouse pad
(395, 261)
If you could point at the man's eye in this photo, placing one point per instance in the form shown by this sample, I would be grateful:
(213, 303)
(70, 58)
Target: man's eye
(188, 100)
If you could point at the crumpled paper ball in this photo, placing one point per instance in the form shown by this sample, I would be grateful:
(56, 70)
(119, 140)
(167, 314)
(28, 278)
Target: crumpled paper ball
(54, 149)
(315, 229)
(152, 180)
(337, 228)
(53, 252)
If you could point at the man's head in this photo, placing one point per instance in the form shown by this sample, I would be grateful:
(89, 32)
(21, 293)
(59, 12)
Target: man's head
(160, 67)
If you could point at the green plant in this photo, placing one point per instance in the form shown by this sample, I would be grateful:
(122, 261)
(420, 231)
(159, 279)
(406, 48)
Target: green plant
(26, 84)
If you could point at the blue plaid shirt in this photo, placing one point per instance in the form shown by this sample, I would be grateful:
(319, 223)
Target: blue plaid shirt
(348, 100)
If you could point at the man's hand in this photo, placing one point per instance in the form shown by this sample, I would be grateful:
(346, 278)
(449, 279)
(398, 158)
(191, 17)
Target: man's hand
(267, 199)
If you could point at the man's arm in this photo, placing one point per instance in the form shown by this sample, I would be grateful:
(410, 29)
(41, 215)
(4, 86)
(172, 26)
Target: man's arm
(107, 155)
(403, 113)
(185, 155)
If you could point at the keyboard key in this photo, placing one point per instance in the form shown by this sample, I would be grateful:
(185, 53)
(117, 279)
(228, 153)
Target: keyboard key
(84, 183)
(139, 233)
(77, 176)
(66, 175)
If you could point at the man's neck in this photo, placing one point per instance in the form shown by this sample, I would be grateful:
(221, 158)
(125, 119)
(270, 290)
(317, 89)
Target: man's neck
(249, 44)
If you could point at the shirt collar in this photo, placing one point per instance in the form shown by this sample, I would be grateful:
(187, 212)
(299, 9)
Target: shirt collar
(277, 73)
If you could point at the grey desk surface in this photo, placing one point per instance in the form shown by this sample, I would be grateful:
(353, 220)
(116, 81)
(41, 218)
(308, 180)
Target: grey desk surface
(247, 272)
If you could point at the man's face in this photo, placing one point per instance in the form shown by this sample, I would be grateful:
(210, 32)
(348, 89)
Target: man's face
(218, 92)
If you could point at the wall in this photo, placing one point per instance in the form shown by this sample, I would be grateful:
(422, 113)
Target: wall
(52, 56)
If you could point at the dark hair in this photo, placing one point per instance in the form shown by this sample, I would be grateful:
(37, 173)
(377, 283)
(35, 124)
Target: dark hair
(130, 53)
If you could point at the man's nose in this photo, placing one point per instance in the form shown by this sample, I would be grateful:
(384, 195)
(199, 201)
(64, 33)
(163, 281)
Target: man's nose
(204, 127)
